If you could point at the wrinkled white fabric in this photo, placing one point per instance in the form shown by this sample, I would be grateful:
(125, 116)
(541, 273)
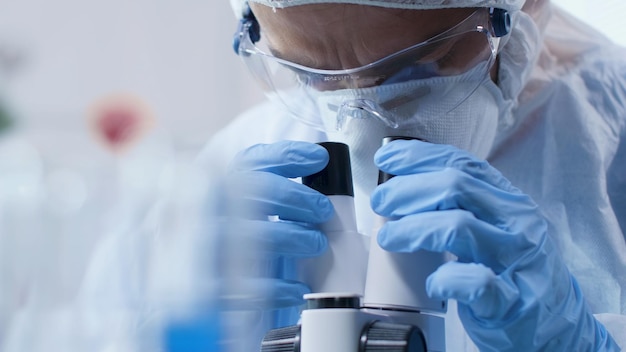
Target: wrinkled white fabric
(511, 5)
(563, 144)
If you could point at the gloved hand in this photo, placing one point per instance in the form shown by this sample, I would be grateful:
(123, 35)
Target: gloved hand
(514, 292)
(268, 220)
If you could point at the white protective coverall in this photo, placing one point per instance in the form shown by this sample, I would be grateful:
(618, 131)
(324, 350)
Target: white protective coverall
(562, 143)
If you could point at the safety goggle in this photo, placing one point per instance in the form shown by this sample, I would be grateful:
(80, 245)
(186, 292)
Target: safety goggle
(471, 45)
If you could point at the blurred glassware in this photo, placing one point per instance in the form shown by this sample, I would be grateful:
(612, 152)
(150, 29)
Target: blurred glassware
(12, 58)
(94, 245)
(5, 119)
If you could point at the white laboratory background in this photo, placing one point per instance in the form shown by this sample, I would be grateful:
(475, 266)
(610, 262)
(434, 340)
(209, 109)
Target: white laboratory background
(606, 16)
(60, 57)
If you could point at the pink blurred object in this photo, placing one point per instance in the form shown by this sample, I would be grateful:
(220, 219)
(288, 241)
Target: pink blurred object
(120, 120)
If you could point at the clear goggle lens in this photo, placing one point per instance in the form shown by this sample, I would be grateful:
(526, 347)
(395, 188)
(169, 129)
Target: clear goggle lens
(463, 55)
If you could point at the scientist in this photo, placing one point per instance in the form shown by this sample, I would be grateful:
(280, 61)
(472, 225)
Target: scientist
(522, 176)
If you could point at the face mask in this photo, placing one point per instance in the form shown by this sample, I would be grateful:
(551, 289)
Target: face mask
(361, 118)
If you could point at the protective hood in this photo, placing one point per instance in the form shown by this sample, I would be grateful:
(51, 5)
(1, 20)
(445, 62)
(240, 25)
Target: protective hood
(519, 54)
(510, 5)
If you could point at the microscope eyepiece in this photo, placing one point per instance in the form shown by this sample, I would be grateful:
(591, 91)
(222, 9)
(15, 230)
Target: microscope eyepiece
(383, 176)
(336, 177)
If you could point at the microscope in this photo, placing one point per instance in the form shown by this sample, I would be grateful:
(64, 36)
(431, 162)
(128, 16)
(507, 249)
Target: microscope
(361, 302)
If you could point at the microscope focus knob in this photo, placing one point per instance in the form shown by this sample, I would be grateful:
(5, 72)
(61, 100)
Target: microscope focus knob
(390, 337)
(282, 340)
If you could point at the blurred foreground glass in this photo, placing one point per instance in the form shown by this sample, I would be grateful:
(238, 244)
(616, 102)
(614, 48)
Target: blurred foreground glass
(62, 201)
(132, 251)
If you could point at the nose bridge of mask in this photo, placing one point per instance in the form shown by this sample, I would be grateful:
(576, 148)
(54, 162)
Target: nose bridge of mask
(360, 108)
(399, 105)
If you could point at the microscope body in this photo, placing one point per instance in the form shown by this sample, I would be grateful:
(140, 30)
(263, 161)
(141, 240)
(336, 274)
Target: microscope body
(357, 328)
(363, 300)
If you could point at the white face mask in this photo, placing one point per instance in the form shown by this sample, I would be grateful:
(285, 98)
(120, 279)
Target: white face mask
(470, 125)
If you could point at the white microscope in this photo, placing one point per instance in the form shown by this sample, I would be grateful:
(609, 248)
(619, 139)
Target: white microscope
(368, 302)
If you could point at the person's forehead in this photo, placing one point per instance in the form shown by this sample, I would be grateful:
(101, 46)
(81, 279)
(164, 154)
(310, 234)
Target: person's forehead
(334, 36)
(325, 17)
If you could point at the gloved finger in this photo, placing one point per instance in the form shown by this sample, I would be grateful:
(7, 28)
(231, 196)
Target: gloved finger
(288, 239)
(286, 158)
(269, 194)
(455, 231)
(452, 189)
(489, 296)
(262, 293)
(404, 157)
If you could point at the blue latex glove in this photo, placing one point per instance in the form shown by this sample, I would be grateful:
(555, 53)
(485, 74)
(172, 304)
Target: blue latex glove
(269, 220)
(514, 292)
